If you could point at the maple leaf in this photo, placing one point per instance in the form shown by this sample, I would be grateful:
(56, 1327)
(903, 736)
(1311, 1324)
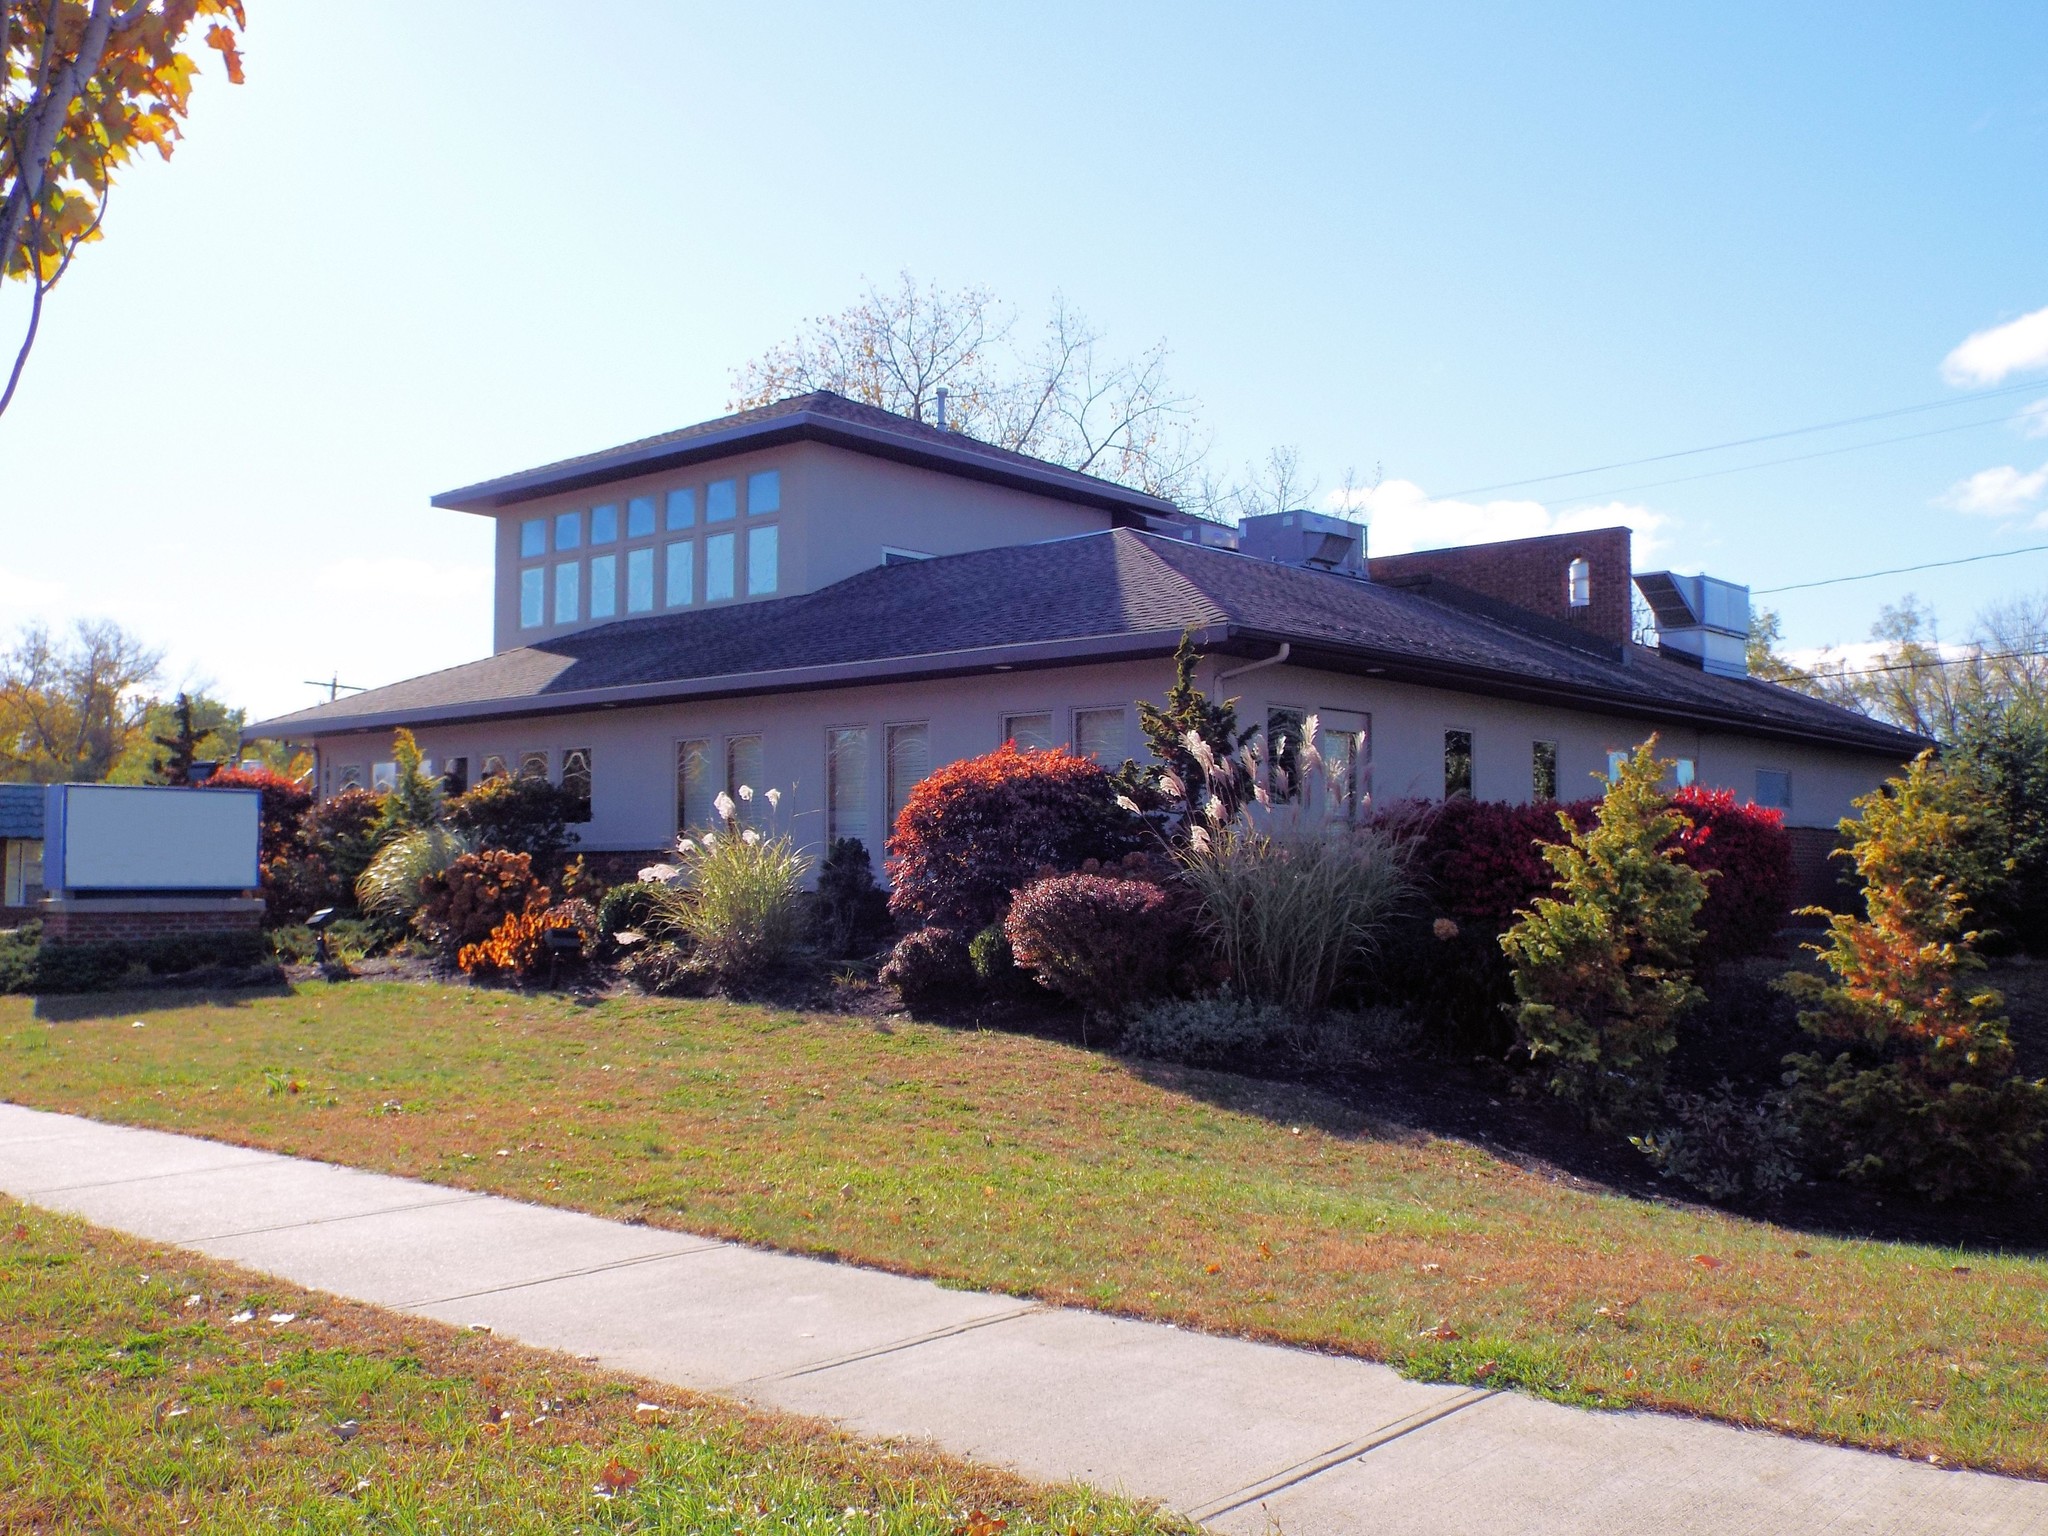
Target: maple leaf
(616, 1478)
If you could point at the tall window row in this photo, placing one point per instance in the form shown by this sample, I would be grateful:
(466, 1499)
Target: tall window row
(576, 572)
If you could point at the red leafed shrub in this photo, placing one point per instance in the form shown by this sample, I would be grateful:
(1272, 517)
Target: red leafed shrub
(467, 901)
(1103, 942)
(976, 830)
(928, 967)
(1482, 860)
(1749, 895)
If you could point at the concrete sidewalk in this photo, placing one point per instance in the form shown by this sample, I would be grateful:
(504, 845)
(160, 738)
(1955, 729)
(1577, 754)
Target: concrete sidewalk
(1244, 1437)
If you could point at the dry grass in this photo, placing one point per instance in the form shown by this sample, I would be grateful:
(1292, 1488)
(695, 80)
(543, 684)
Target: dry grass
(132, 1400)
(1027, 1166)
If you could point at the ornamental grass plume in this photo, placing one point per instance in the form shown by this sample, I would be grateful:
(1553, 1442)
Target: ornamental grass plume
(732, 893)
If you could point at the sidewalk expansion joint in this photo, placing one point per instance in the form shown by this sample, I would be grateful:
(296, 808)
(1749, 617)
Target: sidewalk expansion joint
(1302, 1471)
(327, 1221)
(142, 1178)
(953, 1330)
(709, 1245)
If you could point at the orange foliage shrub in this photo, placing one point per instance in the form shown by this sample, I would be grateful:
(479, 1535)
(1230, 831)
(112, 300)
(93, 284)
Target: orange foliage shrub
(516, 946)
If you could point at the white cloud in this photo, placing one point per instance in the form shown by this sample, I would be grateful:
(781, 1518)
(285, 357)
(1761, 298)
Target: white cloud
(2034, 419)
(1997, 492)
(1991, 356)
(1402, 517)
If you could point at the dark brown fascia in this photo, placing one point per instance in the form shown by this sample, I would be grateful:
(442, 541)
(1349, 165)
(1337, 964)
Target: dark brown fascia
(810, 426)
(1033, 656)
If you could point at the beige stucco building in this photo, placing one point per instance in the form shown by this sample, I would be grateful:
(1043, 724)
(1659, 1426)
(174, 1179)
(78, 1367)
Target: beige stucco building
(824, 598)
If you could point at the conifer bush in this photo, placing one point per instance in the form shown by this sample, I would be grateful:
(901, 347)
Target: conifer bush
(1602, 967)
(1916, 1085)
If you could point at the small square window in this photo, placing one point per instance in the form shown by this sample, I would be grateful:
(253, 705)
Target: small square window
(682, 575)
(1774, 789)
(533, 597)
(383, 777)
(640, 517)
(764, 492)
(1457, 765)
(604, 586)
(639, 581)
(1616, 761)
(682, 509)
(718, 567)
(533, 537)
(568, 530)
(533, 764)
(721, 501)
(761, 560)
(494, 766)
(1683, 771)
(1031, 733)
(1543, 771)
(568, 588)
(1099, 733)
(604, 523)
(455, 779)
(349, 776)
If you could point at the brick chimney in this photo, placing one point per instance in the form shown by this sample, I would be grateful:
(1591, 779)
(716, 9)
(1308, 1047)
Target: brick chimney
(1536, 575)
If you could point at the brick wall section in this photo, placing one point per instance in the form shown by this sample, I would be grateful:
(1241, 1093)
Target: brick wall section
(14, 917)
(1532, 574)
(76, 924)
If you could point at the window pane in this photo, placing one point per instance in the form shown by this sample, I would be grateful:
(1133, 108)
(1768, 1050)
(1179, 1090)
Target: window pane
(1457, 764)
(1614, 762)
(604, 586)
(1031, 733)
(1578, 583)
(533, 764)
(718, 563)
(743, 771)
(456, 779)
(533, 537)
(682, 509)
(721, 501)
(533, 597)
(1683, 771)
(568, 581)
(910, 756)
(1774, 789)
(1347, 761)
(349, 776)
(568, 530)
(383, 777)
(761, 553)
(639, 581)
(1283, 753)
(764, 492)
(1543, 771)
(494, 767)
(682, 575)
(1099, 733)
(639, 517)
(604, 523)
(846, 784)
(576, 780)
(694, 785)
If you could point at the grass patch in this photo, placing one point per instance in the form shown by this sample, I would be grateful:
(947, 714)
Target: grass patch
(1028, 1166)
(132, 1399)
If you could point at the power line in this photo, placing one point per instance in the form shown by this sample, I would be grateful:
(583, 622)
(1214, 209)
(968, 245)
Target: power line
(1898, 570)
(1973, 659)
(1796, 458)
(1746, 442)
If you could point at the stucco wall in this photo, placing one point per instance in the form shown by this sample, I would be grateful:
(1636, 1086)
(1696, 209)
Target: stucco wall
(633, 800)
(839, 510)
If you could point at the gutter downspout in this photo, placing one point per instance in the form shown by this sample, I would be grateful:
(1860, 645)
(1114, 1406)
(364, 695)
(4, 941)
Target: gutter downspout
(1274, 660)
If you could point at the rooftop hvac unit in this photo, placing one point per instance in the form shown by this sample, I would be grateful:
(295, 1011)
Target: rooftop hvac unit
(1701, 620)
(1313, 540)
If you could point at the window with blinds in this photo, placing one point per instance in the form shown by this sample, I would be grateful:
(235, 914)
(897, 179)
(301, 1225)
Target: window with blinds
(695, 785)
(910, 759)
(743, 770)
(846, 784)
(1099, 733)
(1031, 732)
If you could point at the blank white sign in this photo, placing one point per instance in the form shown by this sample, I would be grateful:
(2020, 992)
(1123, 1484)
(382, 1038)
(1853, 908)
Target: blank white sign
(134, 838)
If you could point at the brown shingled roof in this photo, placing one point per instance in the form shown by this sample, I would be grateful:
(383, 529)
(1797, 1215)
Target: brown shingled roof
(1117, 593)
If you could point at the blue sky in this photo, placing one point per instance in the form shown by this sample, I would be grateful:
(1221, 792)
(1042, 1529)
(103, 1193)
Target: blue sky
(426, 244)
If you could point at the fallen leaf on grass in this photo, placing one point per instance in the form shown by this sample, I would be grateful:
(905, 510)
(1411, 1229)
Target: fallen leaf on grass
(615, 1479)
(1443, 1333)
(1707, 1261)
(981, 1523)
(1485, 1370)
(275, 1386)
(1212, 1269)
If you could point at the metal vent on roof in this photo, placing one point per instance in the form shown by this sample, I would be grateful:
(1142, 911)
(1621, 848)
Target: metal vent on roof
(1312, 540)
(1701, 620)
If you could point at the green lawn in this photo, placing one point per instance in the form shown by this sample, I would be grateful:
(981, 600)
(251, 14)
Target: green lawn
(1033, 1167)
(145, 1390)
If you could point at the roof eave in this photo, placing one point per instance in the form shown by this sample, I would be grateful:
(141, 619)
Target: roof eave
(1069, 485)
(895, 669)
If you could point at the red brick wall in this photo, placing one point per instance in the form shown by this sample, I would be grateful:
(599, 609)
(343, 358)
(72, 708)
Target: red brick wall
(81, 925)
(14, 917)
(1532, 574)
(1817, 879)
